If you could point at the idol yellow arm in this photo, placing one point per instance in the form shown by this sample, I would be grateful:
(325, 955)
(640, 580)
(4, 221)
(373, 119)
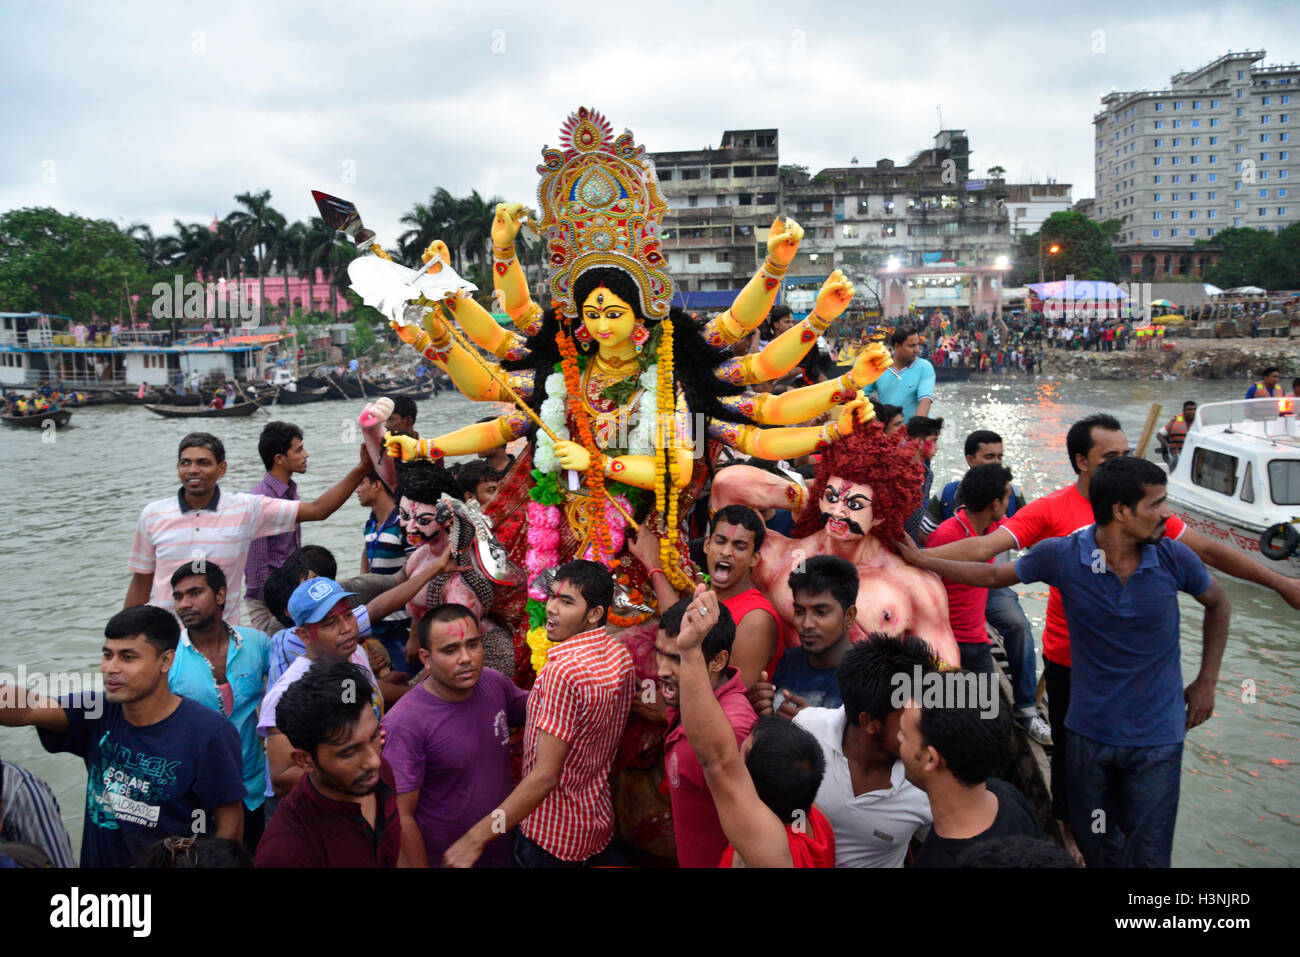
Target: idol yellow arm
(754, 301)
(787, 443)
(800, 405)
(435, 344)
(639, 470)
(479, 325)
(478, 437)
(507, 275)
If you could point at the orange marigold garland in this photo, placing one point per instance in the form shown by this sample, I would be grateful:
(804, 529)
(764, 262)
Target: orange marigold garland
(601, 543)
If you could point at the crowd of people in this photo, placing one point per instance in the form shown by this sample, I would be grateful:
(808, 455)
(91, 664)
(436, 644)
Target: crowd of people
(828, 697)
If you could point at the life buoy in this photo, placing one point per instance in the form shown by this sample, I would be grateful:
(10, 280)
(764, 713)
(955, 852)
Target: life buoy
(1279, 552)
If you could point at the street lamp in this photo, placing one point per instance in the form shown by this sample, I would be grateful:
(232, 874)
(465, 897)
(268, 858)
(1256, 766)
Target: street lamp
(1053, 250)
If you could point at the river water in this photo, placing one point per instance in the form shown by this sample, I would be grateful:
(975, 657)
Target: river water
(69, 509)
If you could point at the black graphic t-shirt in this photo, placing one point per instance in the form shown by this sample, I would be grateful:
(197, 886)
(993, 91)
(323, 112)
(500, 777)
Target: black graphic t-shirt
(147, 783)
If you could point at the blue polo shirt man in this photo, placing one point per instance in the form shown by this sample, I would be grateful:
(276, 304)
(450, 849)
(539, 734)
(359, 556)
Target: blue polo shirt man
(909, 382)
(1129, 713)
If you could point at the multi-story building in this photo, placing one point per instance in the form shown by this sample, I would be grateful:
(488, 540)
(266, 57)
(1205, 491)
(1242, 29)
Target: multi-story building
(1029, 204)
(855, 218)
(1215, 150)
(721, 202)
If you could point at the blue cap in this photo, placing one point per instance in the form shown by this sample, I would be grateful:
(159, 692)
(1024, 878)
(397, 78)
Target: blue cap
(314, 599)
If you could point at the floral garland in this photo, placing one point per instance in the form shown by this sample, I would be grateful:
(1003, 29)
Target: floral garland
(552, 413)
(666, 496)
(595, 474)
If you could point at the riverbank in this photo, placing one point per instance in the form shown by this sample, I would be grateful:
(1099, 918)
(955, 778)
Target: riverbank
(1189, 359)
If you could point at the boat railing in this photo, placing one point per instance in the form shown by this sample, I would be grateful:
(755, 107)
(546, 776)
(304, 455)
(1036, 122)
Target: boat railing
(1264, 418)
(78, 380)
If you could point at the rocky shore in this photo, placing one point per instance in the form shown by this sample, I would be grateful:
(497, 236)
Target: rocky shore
(1189, 359)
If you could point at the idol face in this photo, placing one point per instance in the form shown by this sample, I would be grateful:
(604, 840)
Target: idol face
(609, 319)
(425, 524)
(846, 508)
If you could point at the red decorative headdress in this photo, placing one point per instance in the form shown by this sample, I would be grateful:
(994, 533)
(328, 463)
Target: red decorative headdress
(869, 457)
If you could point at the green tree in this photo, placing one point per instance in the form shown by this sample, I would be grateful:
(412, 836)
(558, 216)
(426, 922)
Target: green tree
(68, 265)
(1255, 257)
(1085, 249)
(255, 228)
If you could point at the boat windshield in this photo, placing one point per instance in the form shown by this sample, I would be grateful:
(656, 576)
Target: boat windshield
(1267, 418)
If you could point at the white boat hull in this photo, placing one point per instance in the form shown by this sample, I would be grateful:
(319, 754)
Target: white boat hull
(1233, 534)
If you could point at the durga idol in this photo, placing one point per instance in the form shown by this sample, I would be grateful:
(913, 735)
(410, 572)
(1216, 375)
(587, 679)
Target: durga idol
(612, 384)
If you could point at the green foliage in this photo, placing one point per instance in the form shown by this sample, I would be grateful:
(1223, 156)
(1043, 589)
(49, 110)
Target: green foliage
(1255, 257)
(67, 265)
(1086, 251)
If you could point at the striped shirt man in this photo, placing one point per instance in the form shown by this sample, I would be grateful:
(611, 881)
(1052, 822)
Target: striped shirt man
(29, 814)
(170, 533)
(582, 697)
(386, 555)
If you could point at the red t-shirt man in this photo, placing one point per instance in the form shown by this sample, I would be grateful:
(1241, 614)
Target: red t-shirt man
(1062, 513)
(812, 844)
(696, 828)
(752, 600)
(966, 603)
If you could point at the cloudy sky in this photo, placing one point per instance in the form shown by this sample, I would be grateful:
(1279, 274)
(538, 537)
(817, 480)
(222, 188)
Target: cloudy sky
(150, 112)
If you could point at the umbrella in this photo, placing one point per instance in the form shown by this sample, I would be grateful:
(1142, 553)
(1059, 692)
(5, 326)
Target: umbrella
(1211, 289)
(1248, 290)
(1163, 302)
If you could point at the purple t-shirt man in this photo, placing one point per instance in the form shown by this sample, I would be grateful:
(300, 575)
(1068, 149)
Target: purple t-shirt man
(457, 754)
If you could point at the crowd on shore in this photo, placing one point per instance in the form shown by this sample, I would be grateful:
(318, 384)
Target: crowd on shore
(377, 720)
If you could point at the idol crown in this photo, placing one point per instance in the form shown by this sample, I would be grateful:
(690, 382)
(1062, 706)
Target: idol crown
(601, 206)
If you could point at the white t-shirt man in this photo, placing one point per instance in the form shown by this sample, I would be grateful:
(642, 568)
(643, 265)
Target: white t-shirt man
(872, 829)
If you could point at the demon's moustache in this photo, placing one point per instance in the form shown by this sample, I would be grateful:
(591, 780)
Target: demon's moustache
(854, 527)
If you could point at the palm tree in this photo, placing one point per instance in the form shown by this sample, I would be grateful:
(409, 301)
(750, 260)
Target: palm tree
(320, 242)
(474, 226)
(429, 221)
(255, 227)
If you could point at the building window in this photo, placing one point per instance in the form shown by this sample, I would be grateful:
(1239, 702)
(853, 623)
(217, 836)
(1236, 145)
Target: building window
(1156, 161)
(1214, 177)
(1178, 106)
(1212, 214)
(1178, 141)
(1263, 211)
(1160, 124)
(1195, 160)
(1196, 124)
(1156, 198)
(720, 172)
(1284, 137)
(1264, 119)
(1174, 214)
(1191, 232)
(1191, 213)
(1178, 124)
(1191, 197)
(1281, 210)
(1209, 232)
(1214, 104)
(1160, 107)
(722, 256)
(1158, 180)
(1214, 122)
(1236, 221)
(1281, 193)
(1236, 204)
(1196, 141)
(665, 174)
(1284, 117)
(1155, 234)
(1196, 104)
(1263, 157)
(1263, 194)
(1264, 101)
(1176, 160)
(1173, 233)
(1158, 143)
(1263, 137)
(1156, 215)
(1175, 197)
(693, 258)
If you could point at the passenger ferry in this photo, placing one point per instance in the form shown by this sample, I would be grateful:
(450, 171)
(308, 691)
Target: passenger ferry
(1238, 479)
(32, 353)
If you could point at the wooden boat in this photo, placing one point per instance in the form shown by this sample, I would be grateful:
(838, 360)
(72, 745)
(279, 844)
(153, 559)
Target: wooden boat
(204, 412)
(302, 395)
(60, 418)
(94, 398)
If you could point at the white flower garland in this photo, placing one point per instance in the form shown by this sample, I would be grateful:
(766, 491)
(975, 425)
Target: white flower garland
(552, 413)
(641, 438)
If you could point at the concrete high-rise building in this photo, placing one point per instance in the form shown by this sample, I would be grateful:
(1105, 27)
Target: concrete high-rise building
(1029, 204)
(1215, 150)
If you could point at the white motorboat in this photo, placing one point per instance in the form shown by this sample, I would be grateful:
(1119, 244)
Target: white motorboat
(1238, 479)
